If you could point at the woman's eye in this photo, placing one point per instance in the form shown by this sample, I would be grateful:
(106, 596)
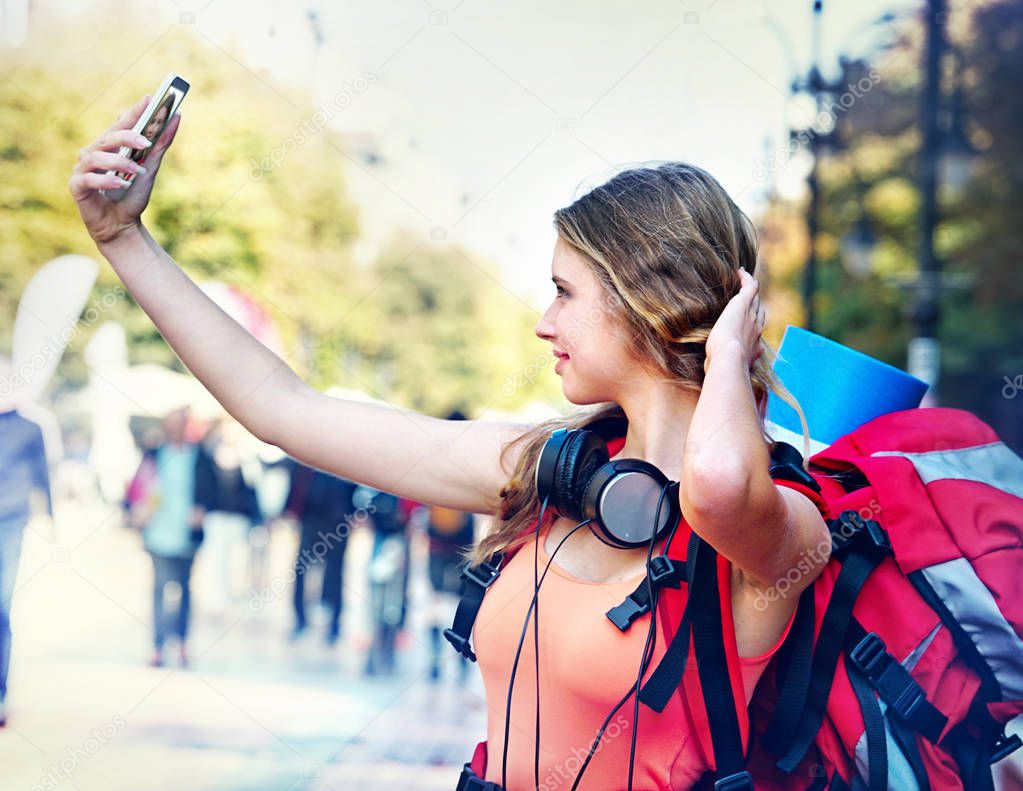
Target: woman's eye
(560, 291)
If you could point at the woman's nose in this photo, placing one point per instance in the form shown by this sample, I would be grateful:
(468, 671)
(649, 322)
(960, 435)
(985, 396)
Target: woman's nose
(545, 327)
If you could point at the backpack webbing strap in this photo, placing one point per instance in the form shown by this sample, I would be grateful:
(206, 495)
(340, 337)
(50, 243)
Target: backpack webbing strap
(794, 680)
(857, 567)
(904, 696)
(873, 725)
(475, 581)
(906, 740)
(712, 665)
(667, 676)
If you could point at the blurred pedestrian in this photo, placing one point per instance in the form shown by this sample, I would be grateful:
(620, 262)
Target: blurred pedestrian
(168, 498)
(322, 505)
(232, 511)
(272, 485)
(388, 575)
(450, 534)
(23, 469)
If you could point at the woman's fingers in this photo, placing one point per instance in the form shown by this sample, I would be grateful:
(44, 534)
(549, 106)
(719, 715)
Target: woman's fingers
(748, 284)
(103, 160)
(95, 181)
(112, 140)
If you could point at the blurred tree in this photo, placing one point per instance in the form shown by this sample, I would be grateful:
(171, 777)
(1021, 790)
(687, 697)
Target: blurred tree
(252, 193)
(440, 331)
(874, 175)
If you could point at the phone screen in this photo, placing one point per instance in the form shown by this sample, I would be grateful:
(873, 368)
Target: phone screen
(154, 120)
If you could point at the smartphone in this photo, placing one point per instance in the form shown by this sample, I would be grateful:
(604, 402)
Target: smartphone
(164, 103)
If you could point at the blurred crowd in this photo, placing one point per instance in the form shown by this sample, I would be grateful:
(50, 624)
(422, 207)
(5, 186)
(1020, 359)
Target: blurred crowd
(210, 487)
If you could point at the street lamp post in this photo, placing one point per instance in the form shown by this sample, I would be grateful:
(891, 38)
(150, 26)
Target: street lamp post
(815, 84)
(819, 141)
(924, 352)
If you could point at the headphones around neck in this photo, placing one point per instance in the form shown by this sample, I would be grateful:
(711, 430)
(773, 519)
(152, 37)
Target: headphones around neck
(575, 474)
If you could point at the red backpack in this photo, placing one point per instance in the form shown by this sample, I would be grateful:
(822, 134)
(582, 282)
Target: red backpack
(905, 660)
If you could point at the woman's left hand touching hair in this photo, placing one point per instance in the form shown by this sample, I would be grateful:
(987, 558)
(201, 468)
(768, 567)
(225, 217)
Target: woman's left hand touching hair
(741, 322)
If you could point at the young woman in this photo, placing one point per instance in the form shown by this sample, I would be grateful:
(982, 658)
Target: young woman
(654, 320)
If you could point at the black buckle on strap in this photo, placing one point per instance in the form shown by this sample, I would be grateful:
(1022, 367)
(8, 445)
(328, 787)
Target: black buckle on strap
(622, 615)
(871, 656)
(460, 643)
(483, 575)
(662, 572)
(1004, 746)
(468, 781)
(740, 781)
(850, 526)
(475, 581)
(868, 654)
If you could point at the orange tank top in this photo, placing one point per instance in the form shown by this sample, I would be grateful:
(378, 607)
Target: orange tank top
(587, 665)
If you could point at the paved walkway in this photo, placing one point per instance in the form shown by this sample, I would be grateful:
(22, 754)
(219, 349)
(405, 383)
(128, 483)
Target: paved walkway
(256, 714)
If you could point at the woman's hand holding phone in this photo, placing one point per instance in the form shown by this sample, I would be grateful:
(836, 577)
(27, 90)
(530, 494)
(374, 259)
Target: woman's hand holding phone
(106, 219)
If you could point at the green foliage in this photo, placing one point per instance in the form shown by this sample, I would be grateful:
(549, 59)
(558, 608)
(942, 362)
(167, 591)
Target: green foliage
(438, 330)
(429, 331)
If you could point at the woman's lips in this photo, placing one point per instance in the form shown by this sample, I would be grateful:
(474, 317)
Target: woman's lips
(562, 359)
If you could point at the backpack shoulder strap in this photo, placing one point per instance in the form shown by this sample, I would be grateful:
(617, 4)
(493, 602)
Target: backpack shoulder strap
(715, 646)
(475, 581)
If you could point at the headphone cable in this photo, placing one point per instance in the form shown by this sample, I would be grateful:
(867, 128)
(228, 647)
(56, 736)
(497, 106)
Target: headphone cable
(536, 657)
(653, 595)
(646, 656)
(522, 639)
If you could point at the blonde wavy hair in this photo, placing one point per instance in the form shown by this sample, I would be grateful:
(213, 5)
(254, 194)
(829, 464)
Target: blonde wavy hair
(666, 243)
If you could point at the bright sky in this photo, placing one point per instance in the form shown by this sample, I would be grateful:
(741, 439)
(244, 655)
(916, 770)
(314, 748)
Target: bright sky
(489, 115)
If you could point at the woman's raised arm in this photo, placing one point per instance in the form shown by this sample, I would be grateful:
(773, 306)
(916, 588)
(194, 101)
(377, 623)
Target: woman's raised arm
(452, 463)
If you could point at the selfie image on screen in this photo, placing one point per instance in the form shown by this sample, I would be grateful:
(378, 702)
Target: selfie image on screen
(155, 127)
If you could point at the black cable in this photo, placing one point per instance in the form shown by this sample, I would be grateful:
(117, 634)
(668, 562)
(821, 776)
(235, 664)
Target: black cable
(648, 653)
(518, 651)
(647, 650)
(522, 640)
(536, 657)
(649, 636)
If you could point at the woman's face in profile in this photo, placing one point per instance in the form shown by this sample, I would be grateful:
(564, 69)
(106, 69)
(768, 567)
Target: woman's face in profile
(582, 323)
(156, 122)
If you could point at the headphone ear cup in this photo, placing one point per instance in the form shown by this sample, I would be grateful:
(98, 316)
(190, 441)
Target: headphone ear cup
(624, 494)
(582, 455)
(589, 466)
